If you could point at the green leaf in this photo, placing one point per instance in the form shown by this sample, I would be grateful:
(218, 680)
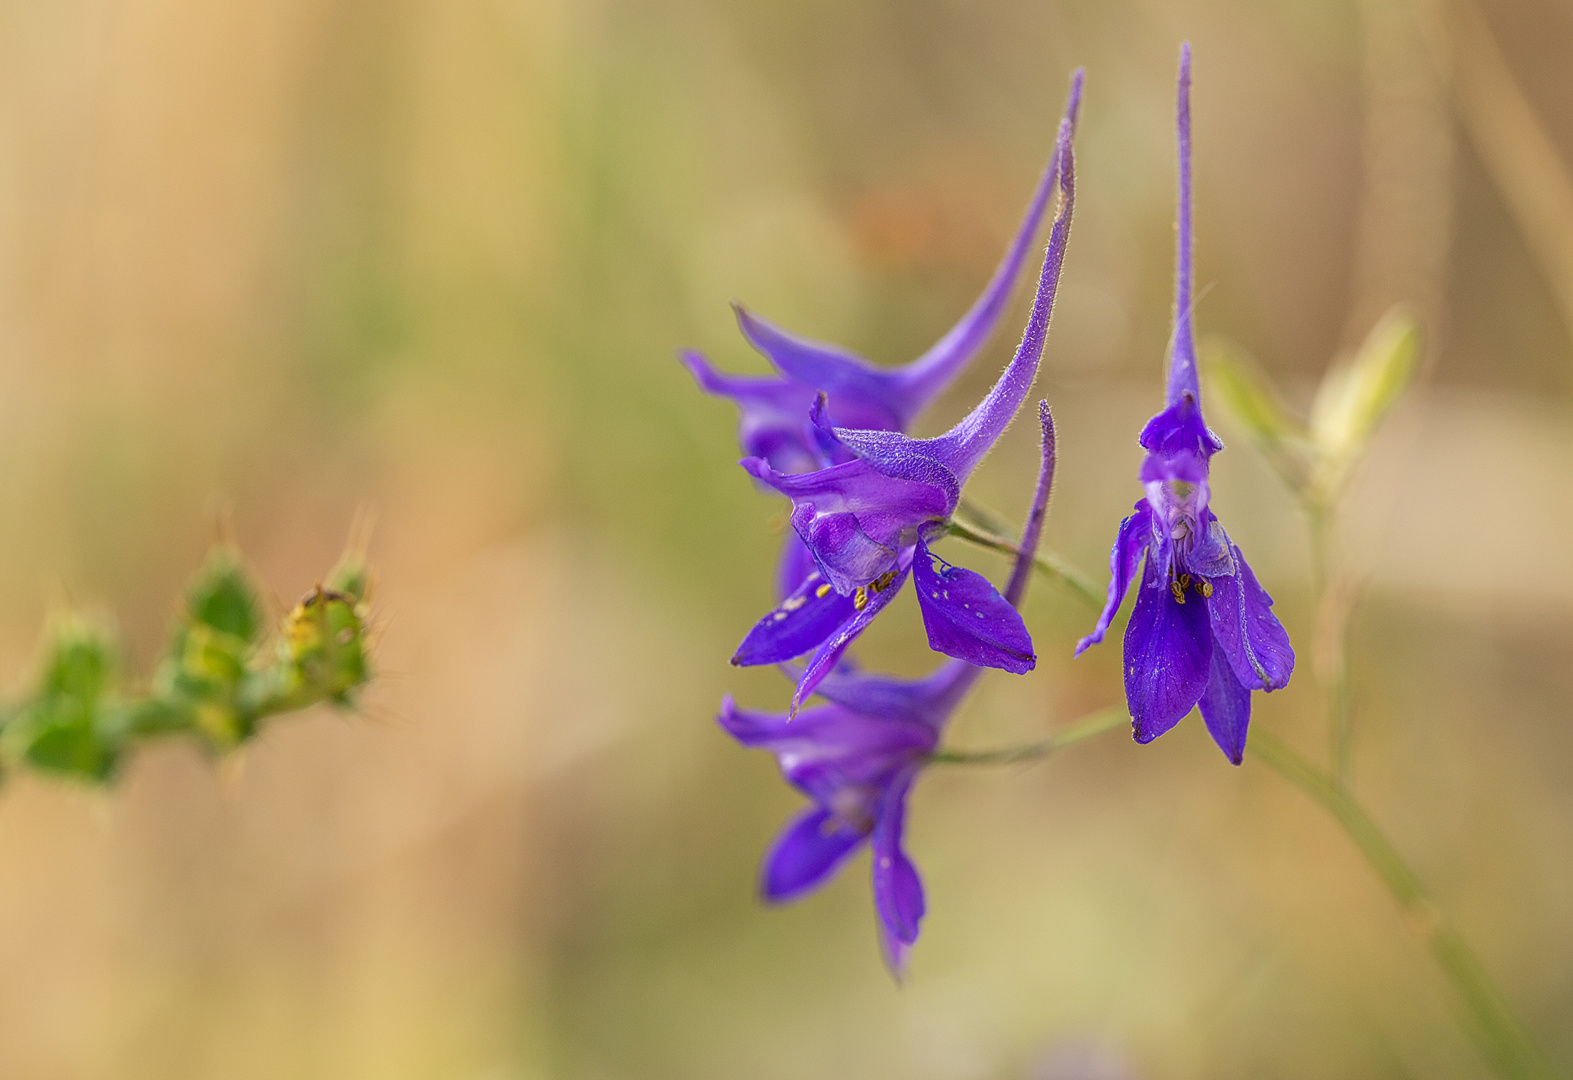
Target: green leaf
(1355, 396)
(223, 598)
(58, 729)
(1236, 382)
(79, 663)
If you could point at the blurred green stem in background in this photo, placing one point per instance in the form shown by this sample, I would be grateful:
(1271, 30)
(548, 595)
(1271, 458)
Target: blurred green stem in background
(1502, 1038)
(1332, 640)
(1047, 563)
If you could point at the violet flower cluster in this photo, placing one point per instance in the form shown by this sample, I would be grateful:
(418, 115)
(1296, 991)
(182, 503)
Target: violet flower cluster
(829, 431)
(867, 502)
(857, 756)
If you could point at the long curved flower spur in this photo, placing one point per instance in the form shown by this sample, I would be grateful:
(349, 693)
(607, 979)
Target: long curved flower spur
(857, 758)
(867, 521)
(773, 412)
(1203, 631)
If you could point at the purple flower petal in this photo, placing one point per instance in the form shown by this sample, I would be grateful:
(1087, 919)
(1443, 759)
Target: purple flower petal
(928, 701)
(794, 566)
(864, 745)
(1212, 554)
(802, 622)
(772, 414)
(1226, 707)
(898, 891)
(853, 518)
(1248, 633)
(823, 662)
(1168, 649)
(837, 757)
(893, 952)
(865, 396)
(967, 618)
(895, 455)
(807, 852)
(1131, 541)
(1179, 429)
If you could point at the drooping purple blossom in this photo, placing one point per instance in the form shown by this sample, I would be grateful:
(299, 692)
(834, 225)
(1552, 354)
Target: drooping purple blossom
(1203, 632)
(773, 412)
(867, 522)
(857, 757)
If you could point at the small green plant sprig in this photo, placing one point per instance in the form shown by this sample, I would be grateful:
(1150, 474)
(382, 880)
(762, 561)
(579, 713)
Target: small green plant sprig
(222, 674)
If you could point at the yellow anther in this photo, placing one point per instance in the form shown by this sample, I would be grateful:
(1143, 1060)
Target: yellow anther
(823, 591)
(860, 598)
(1177, 591)
(1204, 587)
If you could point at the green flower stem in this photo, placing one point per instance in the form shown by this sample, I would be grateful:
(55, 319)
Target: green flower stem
(1088, 727)
(1333, 642)
(1047, 563)
(1502, 1037)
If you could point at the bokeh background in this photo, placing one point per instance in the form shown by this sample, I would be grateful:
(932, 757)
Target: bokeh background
(271, 261)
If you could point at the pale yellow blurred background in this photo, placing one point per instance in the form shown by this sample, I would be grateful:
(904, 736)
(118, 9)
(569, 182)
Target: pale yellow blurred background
(287, 257)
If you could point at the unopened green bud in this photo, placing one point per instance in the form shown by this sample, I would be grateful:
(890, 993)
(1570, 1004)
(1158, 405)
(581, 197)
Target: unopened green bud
(61, 728)
(210, 651)
(322, 654)
(1355, 396)
(223, 597)
(1235, 381)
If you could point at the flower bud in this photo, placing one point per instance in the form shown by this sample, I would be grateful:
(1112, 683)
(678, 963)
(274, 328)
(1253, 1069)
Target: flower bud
(1355, 396)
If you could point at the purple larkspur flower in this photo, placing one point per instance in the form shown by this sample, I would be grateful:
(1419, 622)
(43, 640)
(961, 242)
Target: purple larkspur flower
(773, 411)
(857, 757)
(867, 522)
(1203, 631)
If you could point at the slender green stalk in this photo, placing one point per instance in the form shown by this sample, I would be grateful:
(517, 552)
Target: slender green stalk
(1046, 562)
(1088, 727)
(1501, 1036)
(1333, 643)
(1321, 528)
(983, 518)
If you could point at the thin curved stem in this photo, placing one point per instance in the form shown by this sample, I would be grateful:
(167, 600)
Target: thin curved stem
(1088, 727)
(1046, 562)
(1332, 615)
(1501, 1036)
